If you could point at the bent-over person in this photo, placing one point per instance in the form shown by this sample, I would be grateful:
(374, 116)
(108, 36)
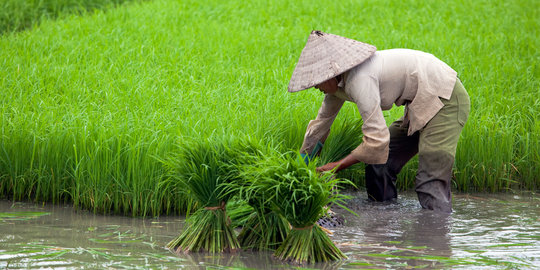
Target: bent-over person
(436, 109)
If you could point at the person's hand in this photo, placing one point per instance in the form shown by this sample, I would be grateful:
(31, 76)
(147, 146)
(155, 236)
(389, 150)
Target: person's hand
(328, 167)
(338, 165)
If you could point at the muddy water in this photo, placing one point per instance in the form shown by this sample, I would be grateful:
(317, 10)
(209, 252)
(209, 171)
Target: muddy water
(485, 232)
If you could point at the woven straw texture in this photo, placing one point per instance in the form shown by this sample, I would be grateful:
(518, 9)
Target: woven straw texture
(326, 56)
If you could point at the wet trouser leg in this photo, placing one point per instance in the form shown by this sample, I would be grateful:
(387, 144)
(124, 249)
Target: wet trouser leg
(437, 149)
(381, 179)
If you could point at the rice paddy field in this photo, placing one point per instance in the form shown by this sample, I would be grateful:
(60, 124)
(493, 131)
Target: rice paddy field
(94, 99)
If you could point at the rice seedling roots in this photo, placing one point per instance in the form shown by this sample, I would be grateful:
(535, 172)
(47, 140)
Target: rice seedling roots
(308, 245)
(207, 230)
(263, 232)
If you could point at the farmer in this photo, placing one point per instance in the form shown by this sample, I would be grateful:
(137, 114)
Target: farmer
(436, 109)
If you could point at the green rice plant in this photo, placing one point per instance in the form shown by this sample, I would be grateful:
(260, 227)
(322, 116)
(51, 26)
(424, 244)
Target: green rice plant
(203, 169)
(345, 136)
(301, 195)
(16, 15)
(239, 212)
(264, 230)
(207, 230)
(90, 103)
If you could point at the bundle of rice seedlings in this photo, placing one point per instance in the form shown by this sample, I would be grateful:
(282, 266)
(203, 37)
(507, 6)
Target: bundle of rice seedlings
(239, 211)
(344, 138)
(265, 229)
(204, 170)
(300, 194)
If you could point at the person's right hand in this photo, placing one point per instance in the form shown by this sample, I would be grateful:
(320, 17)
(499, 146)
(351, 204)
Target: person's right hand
(328, 167)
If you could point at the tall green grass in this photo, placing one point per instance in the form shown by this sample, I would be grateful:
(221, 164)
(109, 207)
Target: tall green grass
(17, 15)
(91, 104)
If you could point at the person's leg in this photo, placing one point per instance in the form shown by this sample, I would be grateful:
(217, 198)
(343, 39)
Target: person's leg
(381, 179)
(437, 149)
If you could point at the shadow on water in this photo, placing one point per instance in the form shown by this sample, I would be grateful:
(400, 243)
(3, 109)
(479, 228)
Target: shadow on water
(485, 231)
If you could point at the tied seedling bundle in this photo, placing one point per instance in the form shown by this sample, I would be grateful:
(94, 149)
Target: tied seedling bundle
(204, 170)
(300, 194)
(265, 229)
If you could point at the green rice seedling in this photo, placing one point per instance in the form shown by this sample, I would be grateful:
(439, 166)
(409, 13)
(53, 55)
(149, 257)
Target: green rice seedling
(87, 102)
(344, 138)
(16, 15)
(239, 212)
(203, 169)
(26, 215)
(301, 195)
(265, 229)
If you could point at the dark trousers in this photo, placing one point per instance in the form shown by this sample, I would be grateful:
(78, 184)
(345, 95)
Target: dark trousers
(435, 145)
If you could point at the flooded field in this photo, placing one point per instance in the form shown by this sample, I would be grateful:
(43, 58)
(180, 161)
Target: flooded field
(486, 231)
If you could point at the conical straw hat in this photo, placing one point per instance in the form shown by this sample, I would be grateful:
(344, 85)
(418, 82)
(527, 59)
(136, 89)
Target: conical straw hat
(326, 56)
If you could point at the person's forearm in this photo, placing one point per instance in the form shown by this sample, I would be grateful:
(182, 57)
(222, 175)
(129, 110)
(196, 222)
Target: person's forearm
(346, 162)
(339, 165)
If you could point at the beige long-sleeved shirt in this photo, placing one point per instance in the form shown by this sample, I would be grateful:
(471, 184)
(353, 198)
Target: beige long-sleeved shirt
(397, 76)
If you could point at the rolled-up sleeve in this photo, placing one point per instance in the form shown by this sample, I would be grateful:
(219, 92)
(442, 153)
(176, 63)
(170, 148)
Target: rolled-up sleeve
(364, 91)
(318, 129)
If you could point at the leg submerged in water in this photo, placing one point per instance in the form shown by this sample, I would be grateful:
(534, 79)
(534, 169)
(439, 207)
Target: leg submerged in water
(437, 149)
(433, 180)
(380, 183)
(381, 179)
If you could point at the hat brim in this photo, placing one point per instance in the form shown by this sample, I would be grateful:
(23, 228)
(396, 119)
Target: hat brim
(326, 56)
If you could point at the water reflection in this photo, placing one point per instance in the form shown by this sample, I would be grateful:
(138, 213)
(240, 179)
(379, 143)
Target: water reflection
(248, 260)
(485, 231)
(395, 234)
(265, 260)
(432, 230)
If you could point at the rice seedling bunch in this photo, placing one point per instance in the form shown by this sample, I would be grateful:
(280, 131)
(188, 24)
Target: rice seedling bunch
(262, 228)
(203, 169)
(301, 195)
(238, 211)
(265, 228)
(344, 138)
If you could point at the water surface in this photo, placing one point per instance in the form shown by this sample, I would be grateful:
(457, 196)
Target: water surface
(498, 231)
